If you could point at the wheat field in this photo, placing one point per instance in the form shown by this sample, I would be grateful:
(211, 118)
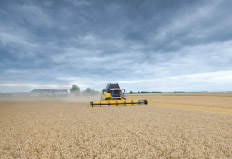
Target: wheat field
(169, 127)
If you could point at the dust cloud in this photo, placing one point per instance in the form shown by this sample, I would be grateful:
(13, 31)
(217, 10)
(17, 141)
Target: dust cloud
(75, 99)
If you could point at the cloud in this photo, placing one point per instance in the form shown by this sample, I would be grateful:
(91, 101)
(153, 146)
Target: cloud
(146, 45)
(33, 85)
(210, 81)
(79, 3)
(187, 22)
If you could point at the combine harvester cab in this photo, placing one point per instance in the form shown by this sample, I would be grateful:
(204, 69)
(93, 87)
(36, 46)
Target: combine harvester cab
(113, 96)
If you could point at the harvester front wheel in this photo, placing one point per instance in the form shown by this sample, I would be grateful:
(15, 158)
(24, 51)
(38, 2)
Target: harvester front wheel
(145, 102)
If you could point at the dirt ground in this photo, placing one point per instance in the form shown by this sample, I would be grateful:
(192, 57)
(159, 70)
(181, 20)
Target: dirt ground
(171, 126)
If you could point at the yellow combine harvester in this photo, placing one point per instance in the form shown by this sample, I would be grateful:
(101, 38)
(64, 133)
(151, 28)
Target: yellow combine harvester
(113, 96)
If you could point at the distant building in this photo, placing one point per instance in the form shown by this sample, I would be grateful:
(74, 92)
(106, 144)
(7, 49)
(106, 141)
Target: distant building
(49, 92)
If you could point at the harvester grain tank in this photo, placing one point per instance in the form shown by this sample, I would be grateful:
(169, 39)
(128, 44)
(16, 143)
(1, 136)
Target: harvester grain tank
(113, 96)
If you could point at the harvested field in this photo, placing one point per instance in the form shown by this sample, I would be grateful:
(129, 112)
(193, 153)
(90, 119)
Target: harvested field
(207, 102)
(62, 128)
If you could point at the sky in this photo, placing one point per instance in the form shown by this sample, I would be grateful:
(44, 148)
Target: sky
(144, 45)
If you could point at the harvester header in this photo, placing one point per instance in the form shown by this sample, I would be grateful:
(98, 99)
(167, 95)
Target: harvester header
(113, 95)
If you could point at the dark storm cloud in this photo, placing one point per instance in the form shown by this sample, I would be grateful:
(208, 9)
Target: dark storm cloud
(94, 42)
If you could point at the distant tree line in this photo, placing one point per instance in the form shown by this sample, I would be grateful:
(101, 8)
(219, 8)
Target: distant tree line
(145, 92)
(75, 90)
(150, 92)
(131, 92)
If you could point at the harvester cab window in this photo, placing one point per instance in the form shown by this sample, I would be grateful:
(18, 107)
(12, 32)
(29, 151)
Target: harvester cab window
(115, 93)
